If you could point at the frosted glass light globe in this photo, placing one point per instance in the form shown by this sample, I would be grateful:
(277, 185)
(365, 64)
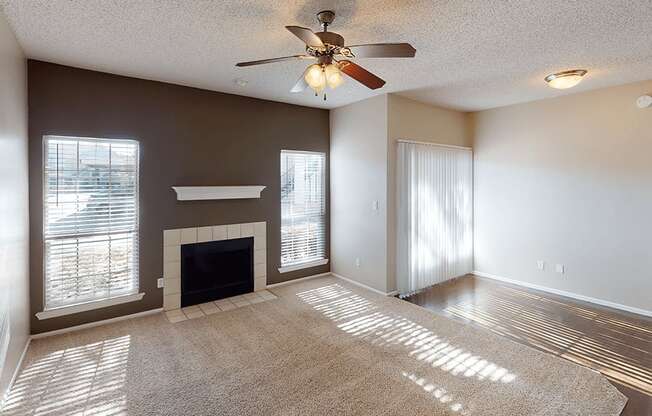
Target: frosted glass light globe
(315, 77)
(334, 76)
(566, 79)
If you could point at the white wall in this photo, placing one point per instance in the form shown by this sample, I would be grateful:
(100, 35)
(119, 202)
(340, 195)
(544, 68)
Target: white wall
(358, 166)
(14, 226)
(411, 120)
(568, 180)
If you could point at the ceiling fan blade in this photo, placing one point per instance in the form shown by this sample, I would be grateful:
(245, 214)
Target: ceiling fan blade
(307, 36)
(383, 50)
(361, 75)
(269, 61)
(301, 83)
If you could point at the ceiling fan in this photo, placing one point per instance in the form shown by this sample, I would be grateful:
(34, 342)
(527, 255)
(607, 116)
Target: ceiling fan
(333, 57)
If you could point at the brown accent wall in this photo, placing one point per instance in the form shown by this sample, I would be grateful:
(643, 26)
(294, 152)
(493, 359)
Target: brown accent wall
(187, 136)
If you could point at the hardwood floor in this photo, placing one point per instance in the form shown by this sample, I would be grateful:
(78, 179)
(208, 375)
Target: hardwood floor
(618, 344)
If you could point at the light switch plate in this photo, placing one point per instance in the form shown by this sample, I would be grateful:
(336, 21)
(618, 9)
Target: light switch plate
(160, 283)
(559, 268)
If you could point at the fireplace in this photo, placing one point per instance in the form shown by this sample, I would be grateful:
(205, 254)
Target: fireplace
(216, 269)
(212, 277)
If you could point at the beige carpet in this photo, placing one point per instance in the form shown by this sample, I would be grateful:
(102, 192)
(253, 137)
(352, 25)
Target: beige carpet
(323, 348)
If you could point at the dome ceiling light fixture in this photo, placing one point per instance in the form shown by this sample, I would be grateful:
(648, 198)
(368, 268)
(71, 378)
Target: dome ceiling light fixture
(333, 58)
(644, 101)
(566, 79)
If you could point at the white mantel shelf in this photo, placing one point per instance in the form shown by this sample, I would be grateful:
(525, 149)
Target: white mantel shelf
(197, 193)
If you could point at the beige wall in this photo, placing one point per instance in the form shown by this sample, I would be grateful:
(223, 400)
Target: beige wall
(358, 157)
(14, 221)
(411, 120)
(564, 180)
(363, 158)
(569, 181)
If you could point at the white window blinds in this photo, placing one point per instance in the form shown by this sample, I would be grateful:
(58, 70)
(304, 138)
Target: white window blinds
(90, 219)
(303, 212)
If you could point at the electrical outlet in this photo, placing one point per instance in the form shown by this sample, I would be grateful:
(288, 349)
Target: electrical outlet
(357, 262)
(160, 283)
(559, 268)
(541, 265)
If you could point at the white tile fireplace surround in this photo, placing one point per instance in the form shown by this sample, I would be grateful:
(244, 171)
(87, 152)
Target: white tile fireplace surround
(173, 239)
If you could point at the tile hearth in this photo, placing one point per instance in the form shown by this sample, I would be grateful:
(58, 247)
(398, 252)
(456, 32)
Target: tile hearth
(222, 305)
(174, 239)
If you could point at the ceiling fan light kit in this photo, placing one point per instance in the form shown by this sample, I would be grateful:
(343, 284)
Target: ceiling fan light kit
(333, 58)
(319, 76)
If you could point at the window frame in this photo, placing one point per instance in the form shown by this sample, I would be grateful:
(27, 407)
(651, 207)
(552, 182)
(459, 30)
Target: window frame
(310, 263)
(92, 304)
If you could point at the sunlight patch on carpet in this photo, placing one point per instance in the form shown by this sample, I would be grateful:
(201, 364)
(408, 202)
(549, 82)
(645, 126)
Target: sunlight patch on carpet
(360, 318)
(86, 380)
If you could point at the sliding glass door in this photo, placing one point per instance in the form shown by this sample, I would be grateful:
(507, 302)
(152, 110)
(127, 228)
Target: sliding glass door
(435, 214)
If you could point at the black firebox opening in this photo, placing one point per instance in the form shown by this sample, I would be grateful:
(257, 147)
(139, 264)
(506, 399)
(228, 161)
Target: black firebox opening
(216, 270)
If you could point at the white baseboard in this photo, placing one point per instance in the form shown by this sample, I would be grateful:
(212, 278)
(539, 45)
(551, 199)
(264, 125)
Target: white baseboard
(289, 282)
(97, 323)
(14, 376)
(380, 292)
(571, 295)
(301, 279)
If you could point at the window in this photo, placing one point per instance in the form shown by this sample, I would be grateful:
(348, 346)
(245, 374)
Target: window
(303, 212)
(90, 220)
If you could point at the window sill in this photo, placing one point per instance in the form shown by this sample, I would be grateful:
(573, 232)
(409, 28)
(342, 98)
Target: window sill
(68, 310)
(300, 266)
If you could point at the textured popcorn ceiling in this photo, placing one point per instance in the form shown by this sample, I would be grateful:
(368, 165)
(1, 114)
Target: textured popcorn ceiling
(470, 55)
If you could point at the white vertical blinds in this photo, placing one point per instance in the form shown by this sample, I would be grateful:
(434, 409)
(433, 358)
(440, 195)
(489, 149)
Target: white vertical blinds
(303, 207)
(90, 221)
(5, 327)
(435, 214)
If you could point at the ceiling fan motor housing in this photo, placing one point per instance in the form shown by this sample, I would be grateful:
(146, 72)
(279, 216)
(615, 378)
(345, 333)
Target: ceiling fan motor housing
(333, 44)
(331, 38)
